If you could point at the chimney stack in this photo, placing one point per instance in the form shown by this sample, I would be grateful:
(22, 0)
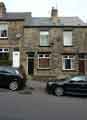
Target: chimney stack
(54, 12)
(2, 9)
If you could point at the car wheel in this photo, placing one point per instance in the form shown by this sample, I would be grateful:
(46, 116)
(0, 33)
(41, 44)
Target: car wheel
(58, 91)
(13, 85)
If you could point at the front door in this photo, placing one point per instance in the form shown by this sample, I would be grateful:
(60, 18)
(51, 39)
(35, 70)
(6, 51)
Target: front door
(30, 66)
(82, 66)
(31, 62)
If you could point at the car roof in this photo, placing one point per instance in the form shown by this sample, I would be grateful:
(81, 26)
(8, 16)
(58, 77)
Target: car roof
(7, 68)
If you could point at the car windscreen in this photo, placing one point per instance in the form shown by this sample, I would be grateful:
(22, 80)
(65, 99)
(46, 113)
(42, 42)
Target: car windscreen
(78, 78)
(9, 71)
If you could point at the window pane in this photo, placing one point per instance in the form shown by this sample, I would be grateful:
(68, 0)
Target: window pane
(0, 49)
(3, 30)
(67, 64)
(40, 55)
(43, 63)
(43, 38)
(3, 33)
(67, 38)
(46, 55)
(77, 78)
(3, 26)
(43, 60)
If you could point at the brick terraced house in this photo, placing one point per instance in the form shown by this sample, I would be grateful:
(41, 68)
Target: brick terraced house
(48, 47)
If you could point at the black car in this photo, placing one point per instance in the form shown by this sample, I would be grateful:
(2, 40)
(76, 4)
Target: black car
(10, 77)
(76, 85)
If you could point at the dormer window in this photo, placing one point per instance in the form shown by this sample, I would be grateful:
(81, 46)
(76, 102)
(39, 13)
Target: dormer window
(3, 31)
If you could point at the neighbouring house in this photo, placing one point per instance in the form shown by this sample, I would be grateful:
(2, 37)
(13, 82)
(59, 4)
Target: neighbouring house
(48, 47)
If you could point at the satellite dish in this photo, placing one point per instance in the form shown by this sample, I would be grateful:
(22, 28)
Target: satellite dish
(18, 35)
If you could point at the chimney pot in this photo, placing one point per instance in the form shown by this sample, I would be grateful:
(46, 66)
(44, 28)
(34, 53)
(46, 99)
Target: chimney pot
(54, 12)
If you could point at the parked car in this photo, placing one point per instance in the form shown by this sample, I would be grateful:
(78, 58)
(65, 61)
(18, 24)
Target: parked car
(76, 85)
(11, 77)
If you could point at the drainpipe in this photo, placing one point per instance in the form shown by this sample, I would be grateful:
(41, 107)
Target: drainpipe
(77, 53)
(85, 45)
(85, 65)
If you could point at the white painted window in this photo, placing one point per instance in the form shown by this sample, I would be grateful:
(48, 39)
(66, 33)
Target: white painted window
(67, 37)
(68, 63)
(3, 30)
(4, 50)
(43, 60)
(44, 38)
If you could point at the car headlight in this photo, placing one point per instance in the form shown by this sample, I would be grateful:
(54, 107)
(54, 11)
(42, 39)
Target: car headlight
(50, 83)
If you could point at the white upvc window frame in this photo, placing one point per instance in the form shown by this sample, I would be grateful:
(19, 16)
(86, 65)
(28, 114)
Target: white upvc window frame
(3, 30)
(43, 57)
(4, 50)
(44, 43)
(72, 60)
(67, 38)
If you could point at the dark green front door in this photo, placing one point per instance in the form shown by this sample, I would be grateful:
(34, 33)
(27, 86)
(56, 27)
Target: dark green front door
(31, 63)
(30, 66)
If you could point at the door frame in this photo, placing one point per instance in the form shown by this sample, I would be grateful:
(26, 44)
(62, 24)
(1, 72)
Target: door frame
(28, 57)
(81, 64)
(33, 65)
(84, 59)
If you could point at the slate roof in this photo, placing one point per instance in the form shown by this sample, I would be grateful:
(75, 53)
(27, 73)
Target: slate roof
(14, 16)
(62, 21)
(42, 21)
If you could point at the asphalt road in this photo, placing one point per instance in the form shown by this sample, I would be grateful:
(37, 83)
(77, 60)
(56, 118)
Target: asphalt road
(41, 106)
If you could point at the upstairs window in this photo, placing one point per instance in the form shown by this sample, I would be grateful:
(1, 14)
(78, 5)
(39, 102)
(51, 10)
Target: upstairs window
(67, 37)
(3, 31)
(44, 38)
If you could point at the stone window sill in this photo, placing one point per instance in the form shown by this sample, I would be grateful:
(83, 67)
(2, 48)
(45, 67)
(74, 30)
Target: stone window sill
(44, 46)
(68, 70)
(44, 68)
(3, 38)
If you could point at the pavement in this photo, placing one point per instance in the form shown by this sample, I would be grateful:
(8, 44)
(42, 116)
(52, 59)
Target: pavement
(33, 86)
(36, 85)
